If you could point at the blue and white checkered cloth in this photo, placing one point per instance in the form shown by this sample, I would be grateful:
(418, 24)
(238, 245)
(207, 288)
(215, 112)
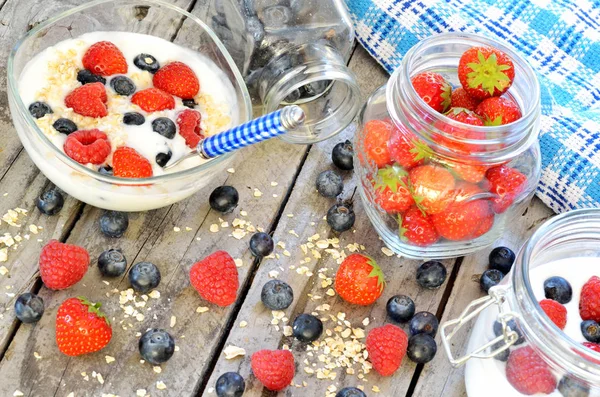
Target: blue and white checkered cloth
(559, 38)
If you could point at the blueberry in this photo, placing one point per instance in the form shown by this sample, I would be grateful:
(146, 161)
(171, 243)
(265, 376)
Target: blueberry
(230, 384)
(112, 263)
(261, 244)
(146, 62)
(512, 324)
(156, 346)
(64, 126)
(423, 323)
(570, 387)
(50, 202)
(190, 103)
(163, 158)
(490, 278)
(329, 184)
(558, 289)
(144, 277)
(503, 355)
(105, 170)
(341, 217)
(431, 275)
(84, 76)
(421, 348)
(133, 118)
(29, 308)
(165, 127)
(590, 330)
(502, 258)
(277, 295)
(315, 88)
(307, 328)
(400, 308)
(39, 109)
(350, 392)
(224, 199)
(342, 156)
(114, 223)
(122, 85)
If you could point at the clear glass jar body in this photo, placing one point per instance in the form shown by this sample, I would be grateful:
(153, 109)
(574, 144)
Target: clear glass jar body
(140, 16)
(459, 151)
(292, 52)
(567, 246)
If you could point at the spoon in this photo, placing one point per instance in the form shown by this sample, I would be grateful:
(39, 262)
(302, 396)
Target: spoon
(254, 131)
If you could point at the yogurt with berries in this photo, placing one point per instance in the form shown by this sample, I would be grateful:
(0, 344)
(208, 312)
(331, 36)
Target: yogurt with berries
(487, 377)
(148, 101)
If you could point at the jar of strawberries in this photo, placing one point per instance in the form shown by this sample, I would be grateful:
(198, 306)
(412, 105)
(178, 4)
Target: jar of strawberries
(447, 150)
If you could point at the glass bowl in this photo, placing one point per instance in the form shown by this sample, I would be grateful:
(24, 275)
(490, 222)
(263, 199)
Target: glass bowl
(152, 17)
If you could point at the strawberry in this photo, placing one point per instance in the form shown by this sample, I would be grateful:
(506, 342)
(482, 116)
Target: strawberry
(458, 134)
(189, 127)
(432, 187)
(177, 79)
(386, 347)
(460, 99)
(417, 228)
(81, 327)
(275, 369)
(88, 100)
(153, 100)
(594, 346)
(507, 183)
(87, 146)
(433, 89)
(391, 189)
(359, 280)
(555, 311)
(216, 278)
(105, 59)
(128, 163)
(589, 300)
(62, 265)
(406, 152)
(462, 219)
(472, 173)
(527, 372)
(485, 224)
(377, 135)
(498, 111)
(485, 72)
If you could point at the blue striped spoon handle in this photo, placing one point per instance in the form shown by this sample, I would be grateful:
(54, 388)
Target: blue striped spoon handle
(255, 131)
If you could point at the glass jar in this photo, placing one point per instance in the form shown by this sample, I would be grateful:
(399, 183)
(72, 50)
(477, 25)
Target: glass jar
(446, 170)
(567, 246)
(292, 52)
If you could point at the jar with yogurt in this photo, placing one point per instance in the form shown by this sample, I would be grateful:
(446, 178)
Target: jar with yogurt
(292, 52)
(515, 348)
(436, 187)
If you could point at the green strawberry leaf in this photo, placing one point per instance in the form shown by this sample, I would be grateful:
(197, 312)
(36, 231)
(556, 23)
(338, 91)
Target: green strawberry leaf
(421, 150)
(401, 230)
(377, 272)
(391, 177)
(497, 121)
(487, 74)
(94, 308)
(446, 96)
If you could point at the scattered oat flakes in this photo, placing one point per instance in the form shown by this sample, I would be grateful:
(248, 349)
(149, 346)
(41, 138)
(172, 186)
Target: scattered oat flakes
(157, 369)
(238, 233)
(387, 251)
(238, 262)
(18, 393)
(286, 253)
(37, 356)
(366, 321)
(140, 392)
(273, 274)
(274, 184)
(160, 385)
(257, 193)
(232, 352)
(176, 229)
(231, 170)
(202, 309)
(3, 269)
(100, 379)
(214, 228)
(154, 294)
(109, 359)
(188, 229)
(173, 321)
(243, 213)
(330, 292)
(375, 389)
(287, 330)
(243, 324)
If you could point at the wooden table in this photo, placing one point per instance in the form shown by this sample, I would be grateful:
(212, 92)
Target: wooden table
(289, 208)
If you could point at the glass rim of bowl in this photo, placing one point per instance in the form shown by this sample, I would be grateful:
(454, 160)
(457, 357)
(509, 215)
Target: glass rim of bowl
(22, 108)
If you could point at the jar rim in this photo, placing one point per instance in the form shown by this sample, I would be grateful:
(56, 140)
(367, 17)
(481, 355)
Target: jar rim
(501, 143)
(554, 343)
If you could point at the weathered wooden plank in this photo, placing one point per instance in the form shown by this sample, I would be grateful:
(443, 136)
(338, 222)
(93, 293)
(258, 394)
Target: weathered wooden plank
(439, 378)
(151, 237)
(308, 209)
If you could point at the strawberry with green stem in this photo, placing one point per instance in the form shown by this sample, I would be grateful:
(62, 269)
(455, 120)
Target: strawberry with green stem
(432, 187)
(498, 111)
(359, 280)
(391, 189)
(408, 152)
(507, 183)
(485, 72)
(81, 327)
(416, 228)
(433, 89)
(458, 134)
(376, 136)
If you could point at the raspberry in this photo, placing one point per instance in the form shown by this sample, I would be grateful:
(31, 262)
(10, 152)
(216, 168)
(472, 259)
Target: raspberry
(274, 368)
(527, 372)
(62, 265)
(87, 146)
(104, 59)
(88, 100)
(177, 79)
(189, 127)
(153, 99)
(594, 346)
(127, 163)
(386, 347)
(216, 278)
(589, 300)
(556, 312)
